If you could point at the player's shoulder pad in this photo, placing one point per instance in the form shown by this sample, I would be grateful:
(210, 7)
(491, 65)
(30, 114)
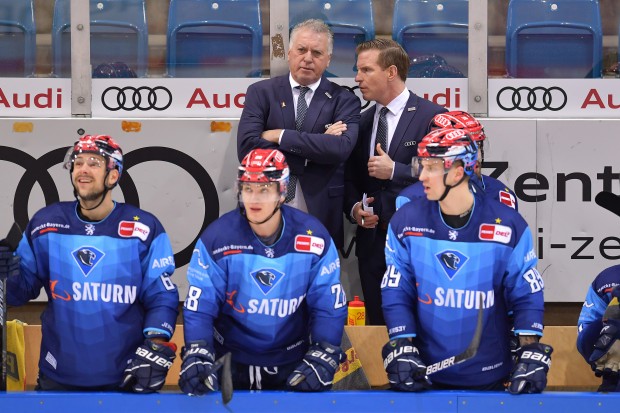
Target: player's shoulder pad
(56, 218)
(606, 280)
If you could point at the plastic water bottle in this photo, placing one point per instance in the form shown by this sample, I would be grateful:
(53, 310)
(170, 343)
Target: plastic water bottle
(357, 312)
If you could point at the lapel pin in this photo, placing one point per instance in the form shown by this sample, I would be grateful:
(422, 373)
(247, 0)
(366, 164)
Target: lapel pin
(411, 109)
(283, 104)
(328, 95)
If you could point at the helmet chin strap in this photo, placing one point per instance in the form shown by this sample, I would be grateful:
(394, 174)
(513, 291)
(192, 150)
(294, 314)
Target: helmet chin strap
(449, 187)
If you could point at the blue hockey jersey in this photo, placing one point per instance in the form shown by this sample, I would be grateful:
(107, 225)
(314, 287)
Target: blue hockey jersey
(437, 277)
(493, 188)
(590, 319)
(263, 302)
(106, 283)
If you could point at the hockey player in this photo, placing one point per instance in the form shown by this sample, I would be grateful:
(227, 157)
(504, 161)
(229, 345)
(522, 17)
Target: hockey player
(447, 256)
(493, 188)
(264, 284)
(106, 268)
(599, 328)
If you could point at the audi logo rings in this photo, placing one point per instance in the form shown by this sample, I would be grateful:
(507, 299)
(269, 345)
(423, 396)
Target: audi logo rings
(537, 98)
(141, 98)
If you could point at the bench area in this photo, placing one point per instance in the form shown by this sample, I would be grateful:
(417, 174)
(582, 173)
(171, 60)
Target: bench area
(569, 372)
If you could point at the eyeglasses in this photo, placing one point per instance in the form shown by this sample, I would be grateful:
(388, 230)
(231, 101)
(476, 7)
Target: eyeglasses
(92, 162)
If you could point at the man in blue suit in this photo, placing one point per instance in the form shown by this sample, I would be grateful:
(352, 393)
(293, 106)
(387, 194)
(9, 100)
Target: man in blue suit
(313, 121)
(380, 163)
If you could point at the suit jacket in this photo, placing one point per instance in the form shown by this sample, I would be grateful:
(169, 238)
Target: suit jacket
(412, 127)
(315, 157)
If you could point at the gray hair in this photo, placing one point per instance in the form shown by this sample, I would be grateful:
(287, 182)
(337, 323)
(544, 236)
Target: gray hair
(316, 26)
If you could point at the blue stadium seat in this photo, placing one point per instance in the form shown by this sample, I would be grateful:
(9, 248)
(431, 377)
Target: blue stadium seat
(433, 28)
(554, 39)
(351, 21)
(214, 38)
(118, 33)
(17, 38)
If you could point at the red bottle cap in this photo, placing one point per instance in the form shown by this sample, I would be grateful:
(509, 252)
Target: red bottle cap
(356, 302)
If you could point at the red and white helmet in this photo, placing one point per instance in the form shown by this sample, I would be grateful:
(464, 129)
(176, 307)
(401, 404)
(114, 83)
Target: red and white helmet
(265, 165)
(449, 145)
(102, 145)
(457, 119)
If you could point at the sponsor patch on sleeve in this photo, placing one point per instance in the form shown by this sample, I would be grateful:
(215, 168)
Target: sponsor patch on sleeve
(128, 229)
(494, 232)
(507, 198)
(308, 243)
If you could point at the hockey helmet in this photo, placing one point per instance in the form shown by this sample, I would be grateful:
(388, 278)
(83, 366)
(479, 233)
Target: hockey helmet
(265, 166)
(457, 119)
(447, 146)
(102, 145)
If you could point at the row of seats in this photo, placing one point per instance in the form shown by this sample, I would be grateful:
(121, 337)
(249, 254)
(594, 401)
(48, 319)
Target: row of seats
(223, 38)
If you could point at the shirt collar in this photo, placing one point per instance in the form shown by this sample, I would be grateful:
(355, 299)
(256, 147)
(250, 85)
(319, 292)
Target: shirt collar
(314, 86)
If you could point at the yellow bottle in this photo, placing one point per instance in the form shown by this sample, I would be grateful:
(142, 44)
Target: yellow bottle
(357, 312)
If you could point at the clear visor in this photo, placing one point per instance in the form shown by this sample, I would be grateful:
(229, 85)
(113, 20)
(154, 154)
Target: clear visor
(80, 160)
(259, 192)
(430, 166)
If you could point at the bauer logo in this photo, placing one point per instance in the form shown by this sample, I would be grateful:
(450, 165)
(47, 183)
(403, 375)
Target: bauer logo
(307, 243)
(127, 229)
(493, 232)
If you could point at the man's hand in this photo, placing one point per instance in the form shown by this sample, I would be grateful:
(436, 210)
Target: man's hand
(272, 135)
(336, 129)
(146, 372)
(197, 375)
(380, 166)
(363, 218)
(405, 369)
(530, 372)
(317, 369)
(9, 263)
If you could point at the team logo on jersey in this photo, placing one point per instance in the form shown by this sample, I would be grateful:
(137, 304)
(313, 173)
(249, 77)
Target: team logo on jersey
(266, 279)
(451, 261)
(128, 229)
(453, 235)
(201, 264)
(507, 198)
(494, 232)
(90, 229)
(307, 243)
(269, 252)
(87, 258)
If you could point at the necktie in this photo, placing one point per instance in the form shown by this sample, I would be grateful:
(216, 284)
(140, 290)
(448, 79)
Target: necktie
(302, 108)
(381, 137)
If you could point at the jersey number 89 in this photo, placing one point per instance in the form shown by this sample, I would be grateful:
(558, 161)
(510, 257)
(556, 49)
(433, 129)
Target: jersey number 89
(534, 280)
(391, 278)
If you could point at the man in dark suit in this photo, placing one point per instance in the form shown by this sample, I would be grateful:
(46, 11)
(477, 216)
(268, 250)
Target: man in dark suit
(313, 121)
(380, 163)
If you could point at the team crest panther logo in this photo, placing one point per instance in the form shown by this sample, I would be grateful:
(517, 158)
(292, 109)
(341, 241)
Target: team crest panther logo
(266, 278)
(86, 257)
(450, 260)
